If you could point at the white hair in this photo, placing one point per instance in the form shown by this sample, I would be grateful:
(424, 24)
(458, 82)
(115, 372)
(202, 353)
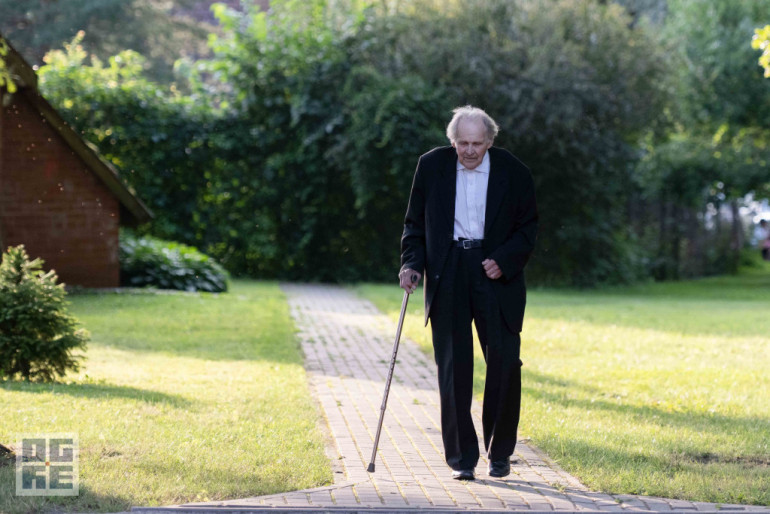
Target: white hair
(468, 112)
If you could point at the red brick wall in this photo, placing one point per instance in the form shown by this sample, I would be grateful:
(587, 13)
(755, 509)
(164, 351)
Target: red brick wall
(53, 204)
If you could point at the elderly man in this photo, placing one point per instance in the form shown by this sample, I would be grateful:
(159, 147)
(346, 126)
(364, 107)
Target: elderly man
(470, 227)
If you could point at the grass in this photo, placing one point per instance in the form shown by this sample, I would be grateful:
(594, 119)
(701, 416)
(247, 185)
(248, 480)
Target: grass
(183, 398)
(657, 389)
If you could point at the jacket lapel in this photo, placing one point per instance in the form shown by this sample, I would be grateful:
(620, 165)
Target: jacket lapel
(498, 185)
(448, 185)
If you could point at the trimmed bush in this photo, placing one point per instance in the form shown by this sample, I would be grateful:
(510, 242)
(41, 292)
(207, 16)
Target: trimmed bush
(37, 335)
(148, 261)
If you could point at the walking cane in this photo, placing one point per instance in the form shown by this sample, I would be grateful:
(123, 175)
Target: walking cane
(370, 469)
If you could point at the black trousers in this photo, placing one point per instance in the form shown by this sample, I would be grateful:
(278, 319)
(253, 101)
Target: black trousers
(465, 295)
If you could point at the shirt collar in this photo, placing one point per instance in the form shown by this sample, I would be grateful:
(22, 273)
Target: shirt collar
(481, 168)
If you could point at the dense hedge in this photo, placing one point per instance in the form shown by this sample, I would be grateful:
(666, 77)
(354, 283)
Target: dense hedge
(293, 155)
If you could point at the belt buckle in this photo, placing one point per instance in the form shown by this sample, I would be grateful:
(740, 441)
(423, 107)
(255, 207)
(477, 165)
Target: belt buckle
(467, 244)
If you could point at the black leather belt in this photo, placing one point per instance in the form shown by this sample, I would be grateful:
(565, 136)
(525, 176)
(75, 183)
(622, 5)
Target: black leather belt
(467, 244)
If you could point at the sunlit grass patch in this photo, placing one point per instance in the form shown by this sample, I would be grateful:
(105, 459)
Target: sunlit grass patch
(183, 398)
(658, 389)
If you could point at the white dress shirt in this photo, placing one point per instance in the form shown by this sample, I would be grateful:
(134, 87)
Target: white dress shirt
(471, 200)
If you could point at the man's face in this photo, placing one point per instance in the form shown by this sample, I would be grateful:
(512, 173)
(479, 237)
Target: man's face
(471, 143)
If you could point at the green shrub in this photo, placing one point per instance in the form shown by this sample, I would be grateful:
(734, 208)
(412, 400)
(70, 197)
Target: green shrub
(37, 335)
(147, 261)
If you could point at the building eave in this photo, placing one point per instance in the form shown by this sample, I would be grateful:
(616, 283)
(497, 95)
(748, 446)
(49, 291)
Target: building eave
(26, 83)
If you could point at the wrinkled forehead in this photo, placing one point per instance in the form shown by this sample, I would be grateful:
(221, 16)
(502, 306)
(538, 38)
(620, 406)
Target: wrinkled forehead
(471, 131)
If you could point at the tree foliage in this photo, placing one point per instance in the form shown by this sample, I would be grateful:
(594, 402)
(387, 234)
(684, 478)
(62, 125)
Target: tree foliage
(293, 153)
(719, 81)
(693, 179)
(160, 139)
(373, 91)
(6, 78)
(541, 69)
(761, 41)
(160, 30)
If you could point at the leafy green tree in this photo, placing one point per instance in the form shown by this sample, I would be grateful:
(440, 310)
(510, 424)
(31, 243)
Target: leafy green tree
(37, 335)
(717, 68)
(540, 67)
(572, 87)
(284, 209)
(718, 148)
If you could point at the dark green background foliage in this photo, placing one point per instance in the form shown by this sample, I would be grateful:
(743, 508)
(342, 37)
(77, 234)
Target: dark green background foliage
(162, 31)
(148, 261)
(37, 335)
(292, 152)
(716, 149)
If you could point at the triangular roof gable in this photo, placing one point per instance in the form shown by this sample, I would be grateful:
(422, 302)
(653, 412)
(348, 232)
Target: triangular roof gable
(25, 79)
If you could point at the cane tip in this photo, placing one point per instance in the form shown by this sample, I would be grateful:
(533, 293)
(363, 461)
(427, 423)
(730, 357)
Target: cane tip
(370, 469)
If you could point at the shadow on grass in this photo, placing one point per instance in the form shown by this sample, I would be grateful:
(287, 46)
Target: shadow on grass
(559, 393)
(719, 473)
(616, 460)
(662, 474)
(240, 484)
(86, 501)
(96, 391)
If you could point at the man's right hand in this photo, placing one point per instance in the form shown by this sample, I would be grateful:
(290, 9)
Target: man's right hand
(409, 279)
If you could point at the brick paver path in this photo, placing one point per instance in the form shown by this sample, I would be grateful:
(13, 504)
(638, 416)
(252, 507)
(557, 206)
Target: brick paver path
(347, 345)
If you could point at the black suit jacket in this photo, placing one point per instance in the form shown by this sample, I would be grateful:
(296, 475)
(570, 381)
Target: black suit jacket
(510, 225)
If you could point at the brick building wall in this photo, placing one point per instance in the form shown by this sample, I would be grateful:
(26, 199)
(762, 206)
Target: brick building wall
(52, 203)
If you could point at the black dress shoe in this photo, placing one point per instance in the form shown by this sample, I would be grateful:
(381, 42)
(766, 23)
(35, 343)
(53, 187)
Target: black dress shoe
(463, 474)
(500, 468)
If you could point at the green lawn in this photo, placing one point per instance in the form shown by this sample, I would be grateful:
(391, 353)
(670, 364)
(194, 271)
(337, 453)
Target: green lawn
(184, 397)
(659, 389)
